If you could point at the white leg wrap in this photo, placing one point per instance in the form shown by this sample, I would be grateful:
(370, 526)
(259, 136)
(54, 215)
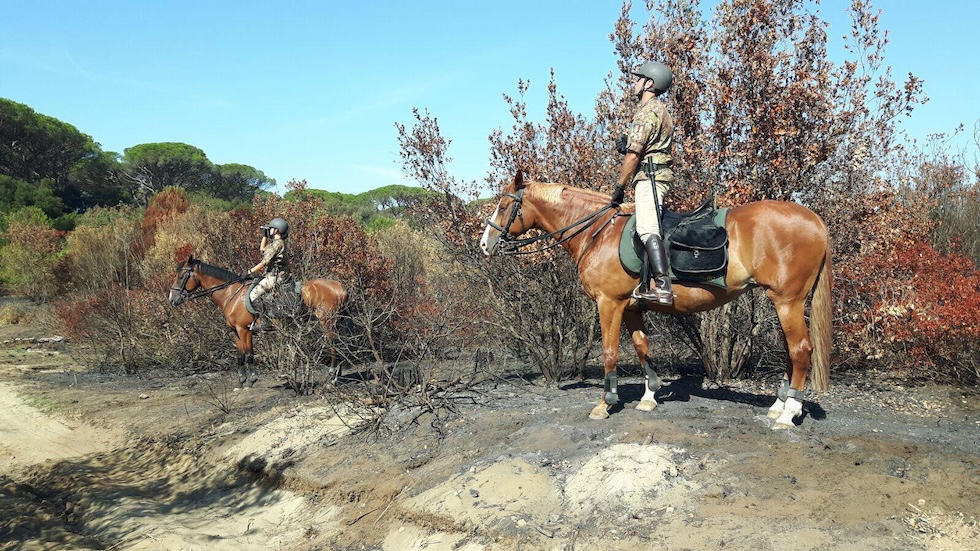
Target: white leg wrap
(776, 409)
(648, 402)
(792, 410)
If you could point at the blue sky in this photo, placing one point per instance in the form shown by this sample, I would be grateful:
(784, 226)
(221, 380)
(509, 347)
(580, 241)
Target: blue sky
(312, 90)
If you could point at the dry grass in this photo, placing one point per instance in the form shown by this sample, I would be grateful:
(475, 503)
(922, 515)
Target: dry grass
(16, 313)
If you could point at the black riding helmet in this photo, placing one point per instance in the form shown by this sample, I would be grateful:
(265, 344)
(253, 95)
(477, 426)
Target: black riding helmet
(660, 74)
(280, 225)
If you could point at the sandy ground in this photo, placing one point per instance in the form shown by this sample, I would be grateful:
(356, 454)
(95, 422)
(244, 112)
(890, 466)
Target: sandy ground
(90, 461)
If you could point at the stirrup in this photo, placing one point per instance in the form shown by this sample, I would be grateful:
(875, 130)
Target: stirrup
(656, 294)
(259, 324)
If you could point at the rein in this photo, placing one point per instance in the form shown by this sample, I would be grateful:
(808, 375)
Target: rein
(513, 246)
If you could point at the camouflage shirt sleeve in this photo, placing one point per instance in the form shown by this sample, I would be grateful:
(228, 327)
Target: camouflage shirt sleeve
(273, 249)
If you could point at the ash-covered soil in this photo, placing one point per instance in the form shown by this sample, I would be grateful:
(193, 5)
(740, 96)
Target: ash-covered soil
(94, 461)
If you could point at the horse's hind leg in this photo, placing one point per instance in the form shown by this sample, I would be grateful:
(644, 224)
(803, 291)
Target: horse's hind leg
(789, 400)
(641, 343)
(328, 324)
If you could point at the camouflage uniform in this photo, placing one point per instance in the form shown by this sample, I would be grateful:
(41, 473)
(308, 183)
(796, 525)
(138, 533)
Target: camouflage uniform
(651, 137)
(275, 260)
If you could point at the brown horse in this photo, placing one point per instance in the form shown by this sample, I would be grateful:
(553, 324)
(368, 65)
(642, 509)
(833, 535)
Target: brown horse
(324, 298)
(781, 247)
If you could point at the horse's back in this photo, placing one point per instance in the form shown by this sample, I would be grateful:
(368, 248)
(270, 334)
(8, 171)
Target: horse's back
(326, 295)
(780, 222)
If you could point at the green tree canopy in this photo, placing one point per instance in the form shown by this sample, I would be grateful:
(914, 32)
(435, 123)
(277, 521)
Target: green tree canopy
(396, 198)
(36, 147)
(238, 182)
(150, 167)
(371, 209)
(16, 194)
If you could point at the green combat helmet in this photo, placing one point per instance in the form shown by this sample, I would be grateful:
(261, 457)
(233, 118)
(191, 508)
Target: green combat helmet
(660, 74)
(280, 225)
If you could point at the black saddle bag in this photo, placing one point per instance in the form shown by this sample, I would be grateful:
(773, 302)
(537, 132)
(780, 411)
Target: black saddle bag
(698, 249)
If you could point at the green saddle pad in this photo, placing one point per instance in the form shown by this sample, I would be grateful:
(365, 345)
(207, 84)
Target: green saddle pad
(697, 247)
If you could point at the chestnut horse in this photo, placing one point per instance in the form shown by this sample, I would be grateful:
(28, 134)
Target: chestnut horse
(779, 246)
(324, 298)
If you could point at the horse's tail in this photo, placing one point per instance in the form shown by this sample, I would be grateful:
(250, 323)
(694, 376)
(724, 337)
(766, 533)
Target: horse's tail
(821, 329)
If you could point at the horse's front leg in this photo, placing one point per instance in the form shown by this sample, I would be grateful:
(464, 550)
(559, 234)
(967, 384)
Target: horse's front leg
(610, 320)
(241, 370)
(641, 343)
(253, 374)
(246, 359)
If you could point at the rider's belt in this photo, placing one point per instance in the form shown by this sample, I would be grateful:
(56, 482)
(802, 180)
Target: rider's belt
(644, 175)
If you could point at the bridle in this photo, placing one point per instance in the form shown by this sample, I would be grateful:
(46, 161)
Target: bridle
(515, 213)
(185, 275)
(510, 245)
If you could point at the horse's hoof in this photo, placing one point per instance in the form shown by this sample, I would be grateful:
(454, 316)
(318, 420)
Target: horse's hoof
(774, 413)
(646, 405)
(782, 426)
(600, 412)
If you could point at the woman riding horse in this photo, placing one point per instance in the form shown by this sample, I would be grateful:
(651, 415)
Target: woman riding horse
(324, 298)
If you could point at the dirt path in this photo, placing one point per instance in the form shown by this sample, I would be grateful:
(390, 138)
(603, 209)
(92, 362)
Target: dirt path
(91, 462)
(29, 436)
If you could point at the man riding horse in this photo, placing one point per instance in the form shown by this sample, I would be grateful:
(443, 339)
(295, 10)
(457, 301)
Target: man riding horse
(648, 166)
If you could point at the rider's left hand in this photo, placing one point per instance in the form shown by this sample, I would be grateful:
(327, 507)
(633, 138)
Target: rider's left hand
(618, 196)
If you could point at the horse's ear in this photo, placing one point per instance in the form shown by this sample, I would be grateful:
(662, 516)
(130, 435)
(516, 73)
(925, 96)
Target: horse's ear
(519, 179)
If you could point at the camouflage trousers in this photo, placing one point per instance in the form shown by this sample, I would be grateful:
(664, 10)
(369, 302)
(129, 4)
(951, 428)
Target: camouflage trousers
(267, 284)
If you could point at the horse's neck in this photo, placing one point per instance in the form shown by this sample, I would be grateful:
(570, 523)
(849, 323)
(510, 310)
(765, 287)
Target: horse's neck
(219, 296)
(556, 213)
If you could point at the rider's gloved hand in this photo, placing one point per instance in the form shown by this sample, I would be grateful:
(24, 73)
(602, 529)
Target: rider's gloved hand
(618, 196)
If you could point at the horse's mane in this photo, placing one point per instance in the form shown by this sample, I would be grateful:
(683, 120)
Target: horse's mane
(218, 272)
(551, 193)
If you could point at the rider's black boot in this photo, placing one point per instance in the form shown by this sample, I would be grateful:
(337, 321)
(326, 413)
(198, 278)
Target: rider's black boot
(261, 321)
(657, 260)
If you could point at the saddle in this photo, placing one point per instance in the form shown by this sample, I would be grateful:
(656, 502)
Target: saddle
(284, 300)
(697, 245)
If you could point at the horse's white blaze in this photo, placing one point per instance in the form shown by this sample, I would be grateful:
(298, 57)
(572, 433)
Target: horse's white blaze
(793, 409)
(485, 240)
